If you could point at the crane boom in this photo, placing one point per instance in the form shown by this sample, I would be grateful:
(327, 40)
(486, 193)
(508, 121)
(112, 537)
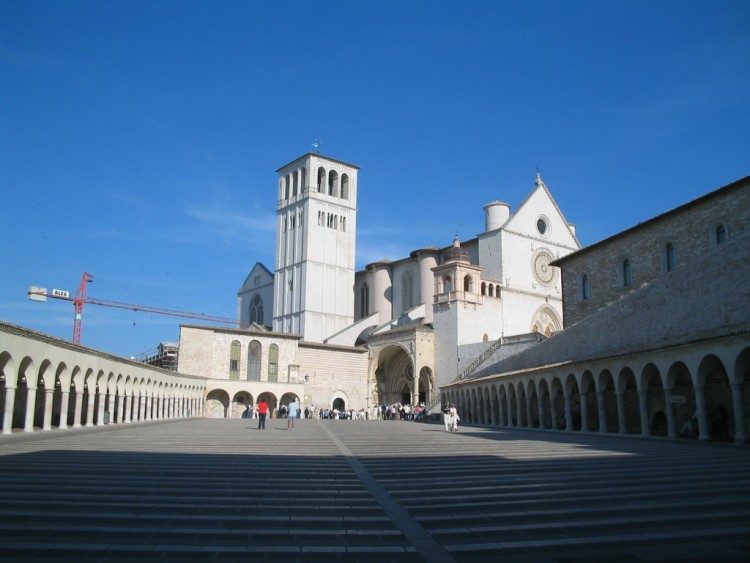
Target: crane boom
(81, 298)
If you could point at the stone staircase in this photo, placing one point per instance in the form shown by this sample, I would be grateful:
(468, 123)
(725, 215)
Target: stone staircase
(470, 369)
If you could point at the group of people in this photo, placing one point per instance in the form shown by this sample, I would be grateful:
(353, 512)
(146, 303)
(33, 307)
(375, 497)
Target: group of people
(398, 411)
(291, 412)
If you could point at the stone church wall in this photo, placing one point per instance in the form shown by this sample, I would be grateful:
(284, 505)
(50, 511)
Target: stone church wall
(689, 228)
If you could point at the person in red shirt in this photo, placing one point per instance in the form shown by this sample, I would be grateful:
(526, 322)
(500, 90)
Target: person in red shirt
(262, 412)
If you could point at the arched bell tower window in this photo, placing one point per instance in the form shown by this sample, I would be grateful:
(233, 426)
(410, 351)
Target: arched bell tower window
(333, 183)
(468, 284)
(344, 186)
(321, 179)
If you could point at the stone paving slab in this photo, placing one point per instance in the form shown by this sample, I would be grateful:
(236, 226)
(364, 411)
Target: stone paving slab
(221, 490)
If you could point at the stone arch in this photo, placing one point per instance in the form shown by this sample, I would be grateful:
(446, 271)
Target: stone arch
(545, 320)
(338, 399)
(589, 403)
(241, 403)
(630, 418)
(216, 404)
(742, 382)
(544, 400)
(654, 420)
(394, 370)
(719, 407)
(533, 402)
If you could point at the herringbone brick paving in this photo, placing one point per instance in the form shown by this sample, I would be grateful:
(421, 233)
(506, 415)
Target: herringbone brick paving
(367, 491)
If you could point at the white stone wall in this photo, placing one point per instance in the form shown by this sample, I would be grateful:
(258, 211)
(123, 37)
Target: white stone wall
(331, 372)
(205, 351)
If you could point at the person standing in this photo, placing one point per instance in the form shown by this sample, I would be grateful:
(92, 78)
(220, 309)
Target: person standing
(447, 417)
(262, 412)
(454, 417)
(292, 413)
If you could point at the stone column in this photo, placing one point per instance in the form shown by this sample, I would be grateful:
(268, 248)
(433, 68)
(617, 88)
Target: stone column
(704, 432)
(48, 397)
(30, 409)
(128, 407)
(584, 412)
(78, 409)
(90, 410)
(529, 423)
(739, 414)
(540, 412)
(568, 415)
(671, 421)
(140, 409)
(100, 417)
(149, 404)
(621, 414)
(643, 405)
(501, 407)
(601, 406)
(553, 412)
(120, 409)
(64, 400)
(10, 403)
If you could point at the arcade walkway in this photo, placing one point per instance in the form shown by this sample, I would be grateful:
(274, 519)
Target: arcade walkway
(207, 489)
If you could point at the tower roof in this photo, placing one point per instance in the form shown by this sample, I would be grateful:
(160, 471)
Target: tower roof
(456, 253)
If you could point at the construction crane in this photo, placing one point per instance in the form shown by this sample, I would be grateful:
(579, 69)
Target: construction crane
(81, 297)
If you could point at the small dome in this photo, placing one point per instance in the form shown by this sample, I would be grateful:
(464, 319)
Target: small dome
(456, 253)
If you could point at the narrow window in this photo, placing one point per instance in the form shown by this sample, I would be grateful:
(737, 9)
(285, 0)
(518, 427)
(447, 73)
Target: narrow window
(234, 360)
(295, 185)
(253, 361)
(627, 274)
(585, 289)
(721, 234)
(343, 224)
(273, 363)
(364, 301)
(670, 257)
(407, 291)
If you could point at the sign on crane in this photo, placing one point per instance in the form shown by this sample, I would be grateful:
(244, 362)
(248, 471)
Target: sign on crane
(81, 297)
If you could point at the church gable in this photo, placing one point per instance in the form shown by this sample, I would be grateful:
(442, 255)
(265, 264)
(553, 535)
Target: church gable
(539, 217)
(255, 297)
(258, 277)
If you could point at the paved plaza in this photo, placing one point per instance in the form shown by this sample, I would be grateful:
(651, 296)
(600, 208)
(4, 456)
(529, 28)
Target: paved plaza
(221, 490)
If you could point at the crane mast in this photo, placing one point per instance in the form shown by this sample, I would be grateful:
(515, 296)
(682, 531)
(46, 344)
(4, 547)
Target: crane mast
(78, 302)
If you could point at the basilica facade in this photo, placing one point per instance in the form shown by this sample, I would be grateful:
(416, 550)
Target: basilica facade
(395, 331)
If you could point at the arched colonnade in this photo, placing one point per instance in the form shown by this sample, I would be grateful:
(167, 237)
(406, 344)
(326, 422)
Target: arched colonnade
(46, 383)
(701, 391)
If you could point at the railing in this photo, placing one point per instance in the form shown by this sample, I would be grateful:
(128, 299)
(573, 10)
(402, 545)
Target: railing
(470, 369)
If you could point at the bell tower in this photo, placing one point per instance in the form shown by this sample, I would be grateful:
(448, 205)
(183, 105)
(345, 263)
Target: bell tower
(315, 246)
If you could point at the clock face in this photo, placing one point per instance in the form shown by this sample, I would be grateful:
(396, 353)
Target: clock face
(542, 269)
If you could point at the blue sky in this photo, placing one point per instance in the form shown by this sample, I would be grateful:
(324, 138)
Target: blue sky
(139, 139)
